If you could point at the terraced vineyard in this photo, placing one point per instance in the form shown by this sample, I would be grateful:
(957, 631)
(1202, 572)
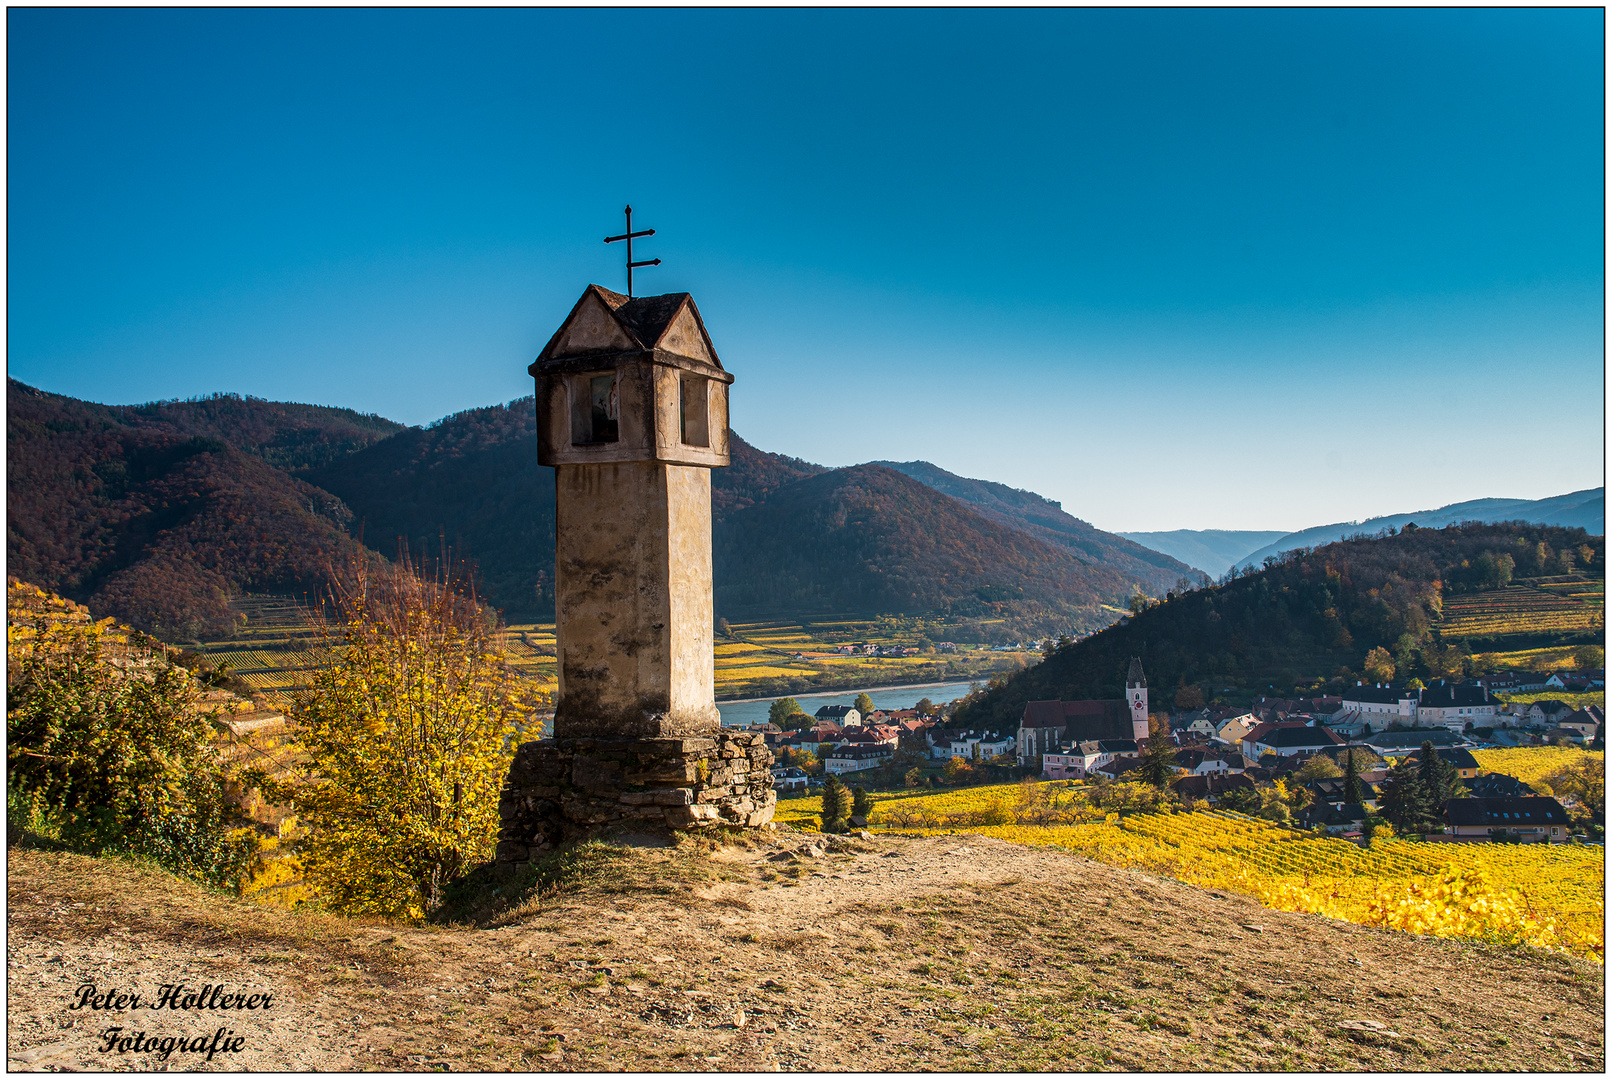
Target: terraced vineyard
(1519, 609)
(270, 651)
(530, 650)
(764, 658)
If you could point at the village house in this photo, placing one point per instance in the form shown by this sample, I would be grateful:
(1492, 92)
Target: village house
(1513, 682)
(1117, 768)
(1535, 819)
(841, 715)
(1338, 819)
(1232, 730)
(1458, 758)
(1060, 766)
(1380, 705)
(1498, 786)
(1331, 791)
(1577, 682)
(1584, 723)
(856, 758)
(867, 736)
(1398, 742)
(1202, 763)
(1098, 752)
(1348, 723)
(1543, 713)
(1192, 724)
(1456, 707)
(789, 778)
(1288, 738)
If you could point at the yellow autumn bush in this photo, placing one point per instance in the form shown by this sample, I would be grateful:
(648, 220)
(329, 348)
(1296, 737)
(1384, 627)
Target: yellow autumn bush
(409, 729)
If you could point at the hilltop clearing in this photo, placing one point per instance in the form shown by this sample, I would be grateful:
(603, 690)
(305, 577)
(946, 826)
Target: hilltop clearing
(952, 952)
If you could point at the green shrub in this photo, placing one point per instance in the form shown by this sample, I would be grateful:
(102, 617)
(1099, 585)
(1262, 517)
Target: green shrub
(117, 758)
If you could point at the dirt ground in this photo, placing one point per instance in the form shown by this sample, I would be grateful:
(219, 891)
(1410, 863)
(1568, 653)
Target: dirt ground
(893, 954)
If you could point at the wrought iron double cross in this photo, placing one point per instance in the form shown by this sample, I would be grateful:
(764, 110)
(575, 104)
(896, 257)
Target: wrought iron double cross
(628, 236)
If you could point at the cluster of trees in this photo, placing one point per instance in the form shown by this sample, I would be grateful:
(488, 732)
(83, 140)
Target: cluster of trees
(842, 804)
(1311, 622)
(1412, 796)
(409, 729)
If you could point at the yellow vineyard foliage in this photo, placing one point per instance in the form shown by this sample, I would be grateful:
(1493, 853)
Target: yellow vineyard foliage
(1548, 896)
(1531, 764)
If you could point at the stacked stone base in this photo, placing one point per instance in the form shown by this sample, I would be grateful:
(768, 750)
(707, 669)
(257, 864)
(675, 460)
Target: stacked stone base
(561, 790)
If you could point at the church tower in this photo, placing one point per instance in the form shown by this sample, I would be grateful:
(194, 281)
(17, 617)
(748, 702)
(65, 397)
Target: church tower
(1136, 697)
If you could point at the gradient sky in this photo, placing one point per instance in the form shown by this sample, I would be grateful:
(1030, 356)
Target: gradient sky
(1175, 268)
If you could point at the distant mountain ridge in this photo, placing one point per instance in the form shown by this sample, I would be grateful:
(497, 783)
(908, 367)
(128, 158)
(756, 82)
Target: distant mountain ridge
(1576, 510)
(868, 538)
(158, 514)
(1214, 551)
(1047, 521)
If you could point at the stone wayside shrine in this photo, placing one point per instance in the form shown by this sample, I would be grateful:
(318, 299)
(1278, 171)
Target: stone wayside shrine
(632, 414)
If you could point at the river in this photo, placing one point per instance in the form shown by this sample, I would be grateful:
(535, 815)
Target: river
(745, 713)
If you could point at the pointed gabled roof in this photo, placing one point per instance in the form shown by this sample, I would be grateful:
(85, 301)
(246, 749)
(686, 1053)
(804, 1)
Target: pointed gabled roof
(1135, 678)
(608, 322)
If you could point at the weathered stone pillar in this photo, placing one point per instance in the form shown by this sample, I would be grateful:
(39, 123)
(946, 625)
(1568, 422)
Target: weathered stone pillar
(632, 413)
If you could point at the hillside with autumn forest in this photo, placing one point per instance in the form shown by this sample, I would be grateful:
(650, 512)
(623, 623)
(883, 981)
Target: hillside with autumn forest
(1305, 623)
(160, 514)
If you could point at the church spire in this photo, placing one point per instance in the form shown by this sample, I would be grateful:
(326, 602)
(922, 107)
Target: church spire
(1136, 697)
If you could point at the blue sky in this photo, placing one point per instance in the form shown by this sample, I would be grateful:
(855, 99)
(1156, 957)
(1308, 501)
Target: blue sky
(1174, 268)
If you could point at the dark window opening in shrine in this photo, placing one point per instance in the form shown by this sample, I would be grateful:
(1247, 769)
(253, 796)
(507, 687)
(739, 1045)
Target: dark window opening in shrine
(694, 405)
(603, 405)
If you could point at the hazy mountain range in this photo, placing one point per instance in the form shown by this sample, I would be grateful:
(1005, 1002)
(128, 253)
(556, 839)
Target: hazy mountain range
(1216, 551)
(1213, 551)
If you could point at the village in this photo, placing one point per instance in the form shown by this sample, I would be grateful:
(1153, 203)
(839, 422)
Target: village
(1225, 757)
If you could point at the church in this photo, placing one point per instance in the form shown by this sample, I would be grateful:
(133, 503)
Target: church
(1048, 726)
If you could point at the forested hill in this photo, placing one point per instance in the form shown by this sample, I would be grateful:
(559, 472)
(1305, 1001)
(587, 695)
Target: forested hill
(136, 515)
(789, 536)
(1575, 510)
(286, 434)
(471, 480)
(867, 538)
(1306, 623)
(157, 514)
(1046, 520)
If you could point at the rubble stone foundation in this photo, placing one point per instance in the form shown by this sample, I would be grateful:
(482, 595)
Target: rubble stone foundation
(560, 790)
